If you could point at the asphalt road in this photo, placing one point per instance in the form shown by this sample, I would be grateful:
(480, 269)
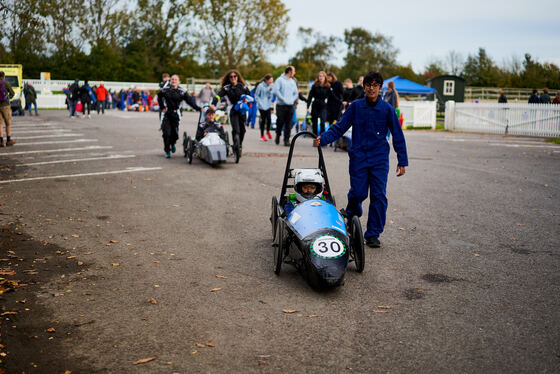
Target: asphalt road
(111, 254)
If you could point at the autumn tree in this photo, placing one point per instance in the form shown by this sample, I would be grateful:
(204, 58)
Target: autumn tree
(317, 50)
(234, 32)
(480, 70)
(367, 52)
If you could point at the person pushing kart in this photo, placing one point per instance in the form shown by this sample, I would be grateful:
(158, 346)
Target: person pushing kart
(169, 99)
(370, 118)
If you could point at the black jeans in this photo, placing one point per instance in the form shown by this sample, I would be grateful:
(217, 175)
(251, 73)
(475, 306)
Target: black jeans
(318, 113)
(170, 130)
(265, 120)
(237, 121)
(84, 103)
(284, 114)
(100, 106)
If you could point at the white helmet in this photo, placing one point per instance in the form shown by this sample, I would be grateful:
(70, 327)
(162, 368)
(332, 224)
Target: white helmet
(308, 176)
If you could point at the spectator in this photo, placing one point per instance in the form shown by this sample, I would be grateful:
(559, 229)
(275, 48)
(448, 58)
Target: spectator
(502, 99)
(556, 98)
(73, 97)
(534, 99)
(109, 102)
(87, 97)
(391, 96)
(545, 98)
(358, 91)
(286, 91)
(101, 94)
(6, 93)
(263, 97)
(30, 97)
(347, 94)
(206, 95)
(165, 80)
(334, 102)
(318, 97)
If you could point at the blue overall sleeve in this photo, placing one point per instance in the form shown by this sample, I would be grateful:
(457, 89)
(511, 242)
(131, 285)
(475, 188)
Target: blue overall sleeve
(399, 144)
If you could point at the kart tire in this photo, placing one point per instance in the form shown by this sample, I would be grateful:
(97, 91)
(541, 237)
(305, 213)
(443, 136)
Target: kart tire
(190, 150)
(228, 149)
(185, 143)
(357, 244)
(279, 249)
(274, 217)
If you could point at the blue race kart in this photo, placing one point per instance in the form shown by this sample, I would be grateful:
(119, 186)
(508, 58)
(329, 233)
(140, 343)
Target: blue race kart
(313, 235)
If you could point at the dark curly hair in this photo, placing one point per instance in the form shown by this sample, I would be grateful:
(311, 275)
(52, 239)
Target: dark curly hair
(372, 77)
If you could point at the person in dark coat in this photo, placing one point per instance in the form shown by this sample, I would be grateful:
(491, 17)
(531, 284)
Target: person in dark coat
(502, 99)
(545, 98)
(370, 119)
(169, 100)
(534, 99)
(334, 102)
(358, 91)
(233, 86)
(73, 97)
(87, 97)
(30, 97)
(317, 100)
(347, 93)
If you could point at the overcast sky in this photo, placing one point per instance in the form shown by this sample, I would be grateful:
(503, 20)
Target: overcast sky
(424, 30)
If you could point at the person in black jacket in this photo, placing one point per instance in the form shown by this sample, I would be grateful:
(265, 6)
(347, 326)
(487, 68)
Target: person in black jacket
(73, 97)
(534, 99)
(233, 86)
(318, 96)
(358, 90)
(209, 125)
(169, 100)
(86, 98)
(334, 102)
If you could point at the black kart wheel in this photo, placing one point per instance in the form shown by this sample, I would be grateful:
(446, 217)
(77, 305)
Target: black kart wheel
(190, 150)
(274, 217)
(357, 244)
(279, 249)
(228, 147)
(185, 143)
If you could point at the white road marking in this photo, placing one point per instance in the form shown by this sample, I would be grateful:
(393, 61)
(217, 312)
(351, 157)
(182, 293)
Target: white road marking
(109, 157)
(53, 130)
(48, 136)
(59, 150)
(523, 145)
(58, 142)
(127, 170)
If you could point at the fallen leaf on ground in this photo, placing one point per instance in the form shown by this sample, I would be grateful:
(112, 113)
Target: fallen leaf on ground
(30, 272)
(152, 300)
(210, 345)
(70, 257)
(477, 255)
(200, 345)
(156, 262)
(115, 264)
(289, 311)
(84, 323)
(383, 307)
(113, 241)
(220, 276)
(51, 329)
(381, 311)
(7, 272)
(215, 289)
(8, 313)
(313, 315)
(75, 235)
(143, 361)
(194, 352)
(80, 263)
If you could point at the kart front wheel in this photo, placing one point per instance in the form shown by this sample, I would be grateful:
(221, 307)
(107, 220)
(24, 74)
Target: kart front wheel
(357, 244)
(279, 249)
(274, 217)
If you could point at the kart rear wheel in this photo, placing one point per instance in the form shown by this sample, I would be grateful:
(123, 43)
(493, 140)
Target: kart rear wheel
(185, 143)
(279, 249)
(190, 150)
(357, 244)
(274, 217)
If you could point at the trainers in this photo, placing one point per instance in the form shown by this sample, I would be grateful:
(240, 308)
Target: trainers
(269, 134)
(263, 138)
(373, 242)
(10, 142)
(2, 144)
(277, 139)
(286, 143)
(173, 149)
(167, 155)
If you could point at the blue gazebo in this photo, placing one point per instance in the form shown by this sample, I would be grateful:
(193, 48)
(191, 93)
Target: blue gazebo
(406, 87)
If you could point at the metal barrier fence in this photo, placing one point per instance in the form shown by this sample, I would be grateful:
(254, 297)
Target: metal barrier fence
(514, 119)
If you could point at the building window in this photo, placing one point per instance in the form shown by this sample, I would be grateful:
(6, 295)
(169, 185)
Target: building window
(448, 88)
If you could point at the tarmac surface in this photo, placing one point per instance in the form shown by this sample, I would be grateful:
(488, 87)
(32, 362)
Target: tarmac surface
(114, 259)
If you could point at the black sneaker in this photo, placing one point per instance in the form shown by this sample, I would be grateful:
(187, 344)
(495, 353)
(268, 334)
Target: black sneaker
(373, 242)
(286, 143)
(277, 140)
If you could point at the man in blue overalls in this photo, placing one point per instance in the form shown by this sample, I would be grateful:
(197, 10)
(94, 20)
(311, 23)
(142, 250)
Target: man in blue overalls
(370, 119)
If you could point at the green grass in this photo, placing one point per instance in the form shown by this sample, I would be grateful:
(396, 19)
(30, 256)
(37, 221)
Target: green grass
(554, 140)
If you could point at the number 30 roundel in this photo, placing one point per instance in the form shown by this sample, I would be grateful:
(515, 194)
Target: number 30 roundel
(327, 246)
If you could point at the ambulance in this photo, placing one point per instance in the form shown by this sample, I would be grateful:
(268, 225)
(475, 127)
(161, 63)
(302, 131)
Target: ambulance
(14, 76)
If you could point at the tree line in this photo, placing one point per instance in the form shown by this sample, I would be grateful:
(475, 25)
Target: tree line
(138, 40)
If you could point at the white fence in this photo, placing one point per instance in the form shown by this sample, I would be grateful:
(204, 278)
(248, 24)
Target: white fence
(418, 113)
(51, 101)
(514, 119)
